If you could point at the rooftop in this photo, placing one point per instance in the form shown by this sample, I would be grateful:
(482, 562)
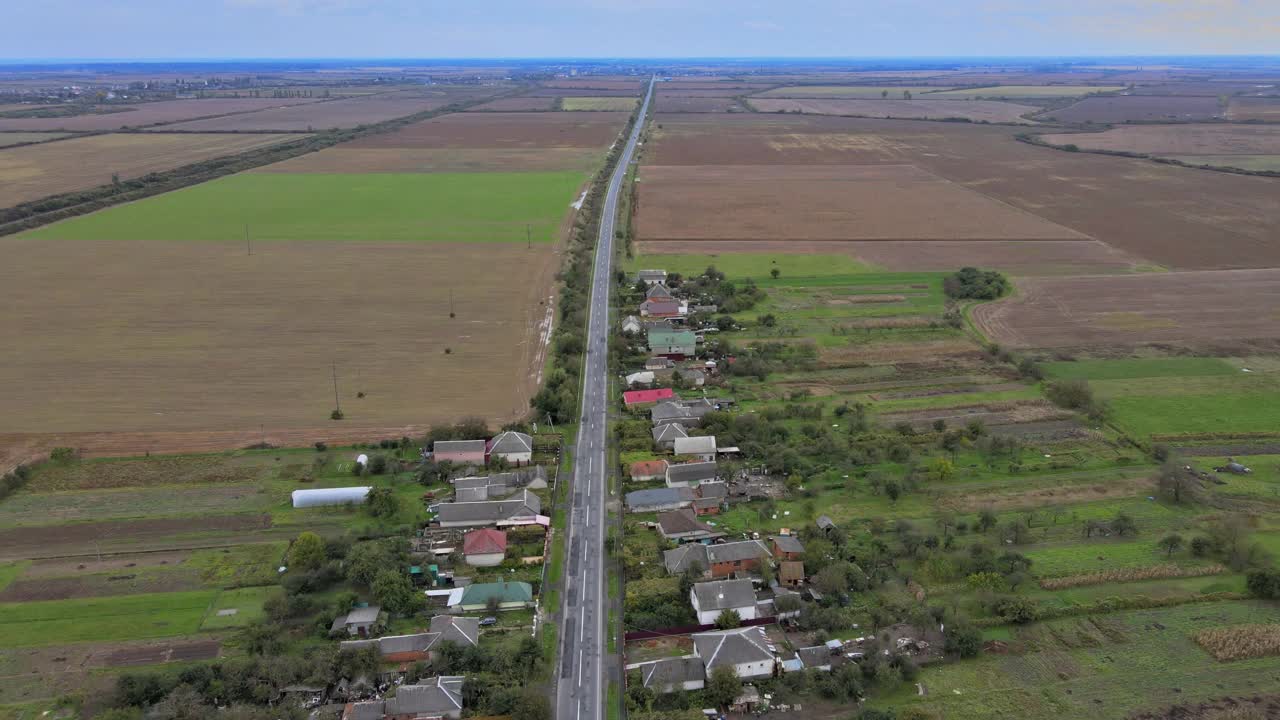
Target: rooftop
(724, 594)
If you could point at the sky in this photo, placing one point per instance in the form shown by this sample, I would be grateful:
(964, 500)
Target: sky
(172, 29)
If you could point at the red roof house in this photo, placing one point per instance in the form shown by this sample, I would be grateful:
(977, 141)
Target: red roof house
(649, 470)
(484, 547)
(635, 398)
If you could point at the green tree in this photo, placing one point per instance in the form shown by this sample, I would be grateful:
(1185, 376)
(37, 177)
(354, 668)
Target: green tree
(963, 640)
(394, 592)
(722, 686)
(942, 468)
(986, 520)
(307, 552)
(1171, 544)
(1264, 583)
(382, 503)
(728, 619)
(774, 273)
(532, 706)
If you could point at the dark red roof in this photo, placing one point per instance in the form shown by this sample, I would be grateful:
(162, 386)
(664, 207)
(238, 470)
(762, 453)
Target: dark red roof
(634, 397)
(648, 468)
(484, 542)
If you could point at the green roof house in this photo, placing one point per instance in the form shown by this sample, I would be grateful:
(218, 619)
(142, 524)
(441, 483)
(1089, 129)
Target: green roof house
(673, 343)
(510, 596)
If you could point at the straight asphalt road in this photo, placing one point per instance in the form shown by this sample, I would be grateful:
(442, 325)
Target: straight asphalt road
(580, 686)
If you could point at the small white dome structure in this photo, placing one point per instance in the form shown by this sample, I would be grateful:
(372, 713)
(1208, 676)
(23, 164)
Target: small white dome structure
(362, 459)
(330, 496)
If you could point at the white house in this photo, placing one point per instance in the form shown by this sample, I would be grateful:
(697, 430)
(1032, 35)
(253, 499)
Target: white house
(672, 674)
(703, 448)
(514, 447)
(709, 599)
(747, 650)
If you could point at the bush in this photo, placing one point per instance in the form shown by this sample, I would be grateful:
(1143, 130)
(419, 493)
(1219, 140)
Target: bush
(1264, 584)
(973, 284)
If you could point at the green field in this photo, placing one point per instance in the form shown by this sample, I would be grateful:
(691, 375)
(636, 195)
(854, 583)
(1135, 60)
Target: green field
(1100, 667)
(1244, 162)
(124, 617)
(10, 572)
(374, 207)
(619, 104)
(849, 91)
(1030, 91)
(1137, 368)
(756, 266)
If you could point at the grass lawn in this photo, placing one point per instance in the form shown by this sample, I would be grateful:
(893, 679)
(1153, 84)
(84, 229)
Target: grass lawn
(124, 617)
(247, 603)
(622, 104)
(239, 566)
(375, 207)
(10, 572)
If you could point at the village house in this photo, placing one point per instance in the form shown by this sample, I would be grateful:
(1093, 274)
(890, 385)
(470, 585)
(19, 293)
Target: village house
(716, 561)
(709, 599)
(461, 631)
(648, 470)
(642, 379)
(665, 309)
(791, 573)
(459, 452)
(701, 448)
(690, 474)
(524, 505)
(658, 291)
(652, 277)
(686, 412)
(674, 674)
(514, 447)
(675, 344)
(360, 621)
(706, 506)
(747, 650)
(634, 399)
(484, 547)
(631, 324)
(787, 547)
(683, 526)
(659, 363)
(665, 435)
(659, 500)
(437, 697)
(477, 597)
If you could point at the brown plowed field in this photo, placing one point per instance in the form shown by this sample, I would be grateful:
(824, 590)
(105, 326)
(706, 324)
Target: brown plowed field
(348, 112)
(35, 171)
(253, 338)
(80, 538)
(707, 91)
(695, 104)
(1133, 108)
(1172, 216)
(603, 83)
(1043, 257)
(84, 586)
(162, 653)
(976, 110)
(1216, 139)
(823, 202)
(517, 104)
(1189, 308)
(1248, 108)
(166, 111)
(343, 159)
(504, 130)
(579, 92)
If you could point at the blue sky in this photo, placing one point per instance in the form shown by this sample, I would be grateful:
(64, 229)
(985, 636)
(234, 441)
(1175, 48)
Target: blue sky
(120, 29)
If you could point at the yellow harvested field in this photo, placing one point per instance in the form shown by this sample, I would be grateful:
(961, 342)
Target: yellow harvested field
(32, 172)
(183, 336)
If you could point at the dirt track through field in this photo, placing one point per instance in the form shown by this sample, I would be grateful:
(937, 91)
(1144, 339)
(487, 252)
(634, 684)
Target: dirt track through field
(1191, 308)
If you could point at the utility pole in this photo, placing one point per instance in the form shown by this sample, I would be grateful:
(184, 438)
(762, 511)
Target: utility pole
(450, 302)
(528, 236)
(336, 404)
(247, 245)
